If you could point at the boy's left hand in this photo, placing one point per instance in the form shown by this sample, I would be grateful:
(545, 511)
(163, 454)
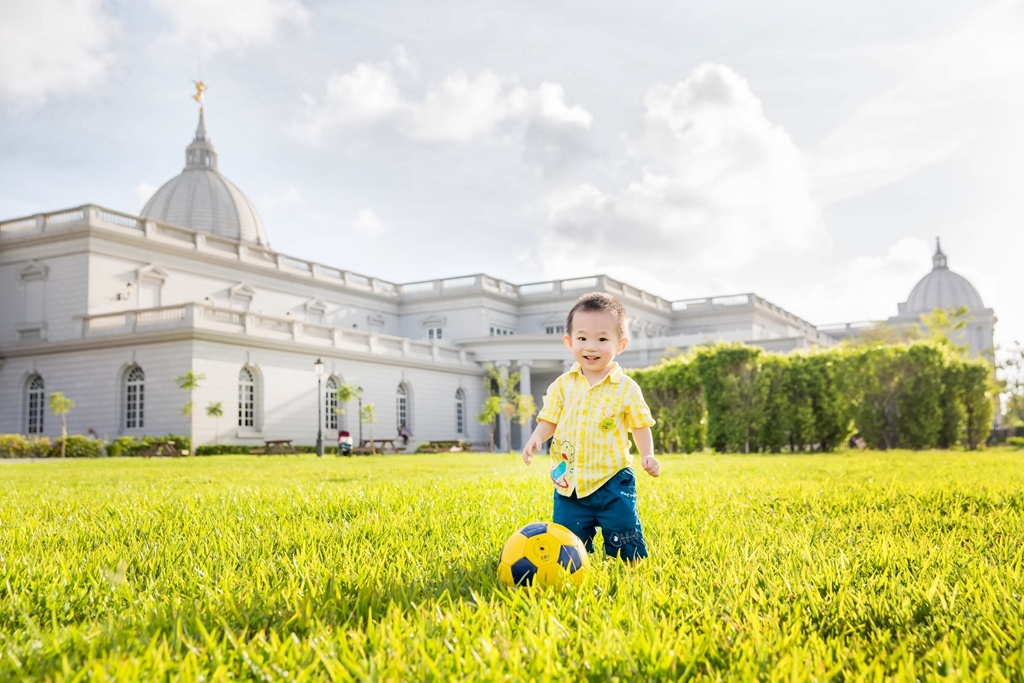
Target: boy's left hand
(651, 465)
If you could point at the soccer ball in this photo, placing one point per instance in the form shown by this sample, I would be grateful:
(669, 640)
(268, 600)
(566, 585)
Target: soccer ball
(542, 553)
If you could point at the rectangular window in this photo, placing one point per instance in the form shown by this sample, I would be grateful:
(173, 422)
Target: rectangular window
(554, 329)
(331, 407)
(246, 404)
(36, 411)
(133, 405)
(498, 331)
(434, 333)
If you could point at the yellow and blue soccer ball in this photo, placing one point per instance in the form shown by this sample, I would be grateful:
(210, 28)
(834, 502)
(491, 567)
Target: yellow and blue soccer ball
(542, 554)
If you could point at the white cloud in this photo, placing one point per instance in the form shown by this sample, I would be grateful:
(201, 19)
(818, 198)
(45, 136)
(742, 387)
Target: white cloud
(854, 288)
(723, 197)
(367, 221)
(360, 99)
(229, 25)
(461, 108)
(143, 191)
(51, 48)
(957, 86)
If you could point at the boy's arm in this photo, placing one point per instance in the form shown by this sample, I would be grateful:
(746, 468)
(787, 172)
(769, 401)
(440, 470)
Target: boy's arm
(644, 441)
(544, 431)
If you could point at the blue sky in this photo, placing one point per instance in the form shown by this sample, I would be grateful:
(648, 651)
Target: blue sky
(810, 152)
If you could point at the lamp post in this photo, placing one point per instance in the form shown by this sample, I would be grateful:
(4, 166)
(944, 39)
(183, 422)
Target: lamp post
(359, 397)
(318, 366)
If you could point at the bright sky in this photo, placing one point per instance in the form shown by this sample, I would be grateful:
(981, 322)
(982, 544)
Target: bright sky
(809, 151)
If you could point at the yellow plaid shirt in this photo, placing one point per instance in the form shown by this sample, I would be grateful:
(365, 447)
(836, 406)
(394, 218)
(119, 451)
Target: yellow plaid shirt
(591, 440)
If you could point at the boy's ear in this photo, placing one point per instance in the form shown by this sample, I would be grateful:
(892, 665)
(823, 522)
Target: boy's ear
(567, 340)
(623, 343)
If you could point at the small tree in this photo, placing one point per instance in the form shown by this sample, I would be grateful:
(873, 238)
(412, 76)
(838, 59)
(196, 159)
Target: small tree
(215, 409)
(1013, 387)
(510, 403)
(369, 416)
(489, 416)
(60, 405)
(189, 382)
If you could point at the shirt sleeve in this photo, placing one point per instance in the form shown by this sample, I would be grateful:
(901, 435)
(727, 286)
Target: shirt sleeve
(554, 403)
(637, 414)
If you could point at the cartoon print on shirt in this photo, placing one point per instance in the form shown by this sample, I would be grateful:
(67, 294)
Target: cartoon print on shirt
(565, 463)
(607, 422)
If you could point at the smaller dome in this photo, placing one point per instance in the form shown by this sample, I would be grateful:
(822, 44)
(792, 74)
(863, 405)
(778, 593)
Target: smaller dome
(941, 288)
(202, 199)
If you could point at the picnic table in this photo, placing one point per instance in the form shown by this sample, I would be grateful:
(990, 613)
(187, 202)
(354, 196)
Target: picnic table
(378, 446)
(160, 448)
(276, 447)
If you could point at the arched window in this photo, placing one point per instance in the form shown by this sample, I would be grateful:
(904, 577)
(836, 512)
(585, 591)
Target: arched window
(35, 405)
(402, 407)
(331, 403)
(460, 412)
(246, 398)
(134, 398)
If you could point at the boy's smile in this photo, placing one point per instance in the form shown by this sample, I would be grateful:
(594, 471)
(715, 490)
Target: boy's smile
(594, 342)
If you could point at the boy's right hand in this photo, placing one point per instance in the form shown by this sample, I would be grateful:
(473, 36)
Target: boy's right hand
(528, 450)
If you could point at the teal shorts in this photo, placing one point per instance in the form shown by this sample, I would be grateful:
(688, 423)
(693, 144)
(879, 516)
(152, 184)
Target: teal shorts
(613, 508)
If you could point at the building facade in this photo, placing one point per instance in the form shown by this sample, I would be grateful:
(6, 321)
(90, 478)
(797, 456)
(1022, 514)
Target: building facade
(109, 308)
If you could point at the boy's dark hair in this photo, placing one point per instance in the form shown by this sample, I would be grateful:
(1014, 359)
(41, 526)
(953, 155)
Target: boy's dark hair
(599, 301)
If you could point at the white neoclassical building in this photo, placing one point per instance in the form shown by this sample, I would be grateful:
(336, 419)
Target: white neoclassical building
(109, 308)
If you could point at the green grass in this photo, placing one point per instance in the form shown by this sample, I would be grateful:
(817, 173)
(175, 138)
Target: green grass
(865, 566)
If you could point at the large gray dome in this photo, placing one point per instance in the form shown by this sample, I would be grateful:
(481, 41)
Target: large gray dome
(941, 288)
(202, 199)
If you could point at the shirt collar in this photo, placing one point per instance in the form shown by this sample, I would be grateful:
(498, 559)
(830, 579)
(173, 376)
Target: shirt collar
(614, 375)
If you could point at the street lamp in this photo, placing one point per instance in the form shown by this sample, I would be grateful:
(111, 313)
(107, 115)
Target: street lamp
(318, 366)
(359, 397)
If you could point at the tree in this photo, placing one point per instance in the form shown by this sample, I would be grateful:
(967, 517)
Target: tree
(510, 403)
(945, 326)
(215, 410)
(189, 382)
(369, 416)
(347, 392)
(60, 405)
(1013, 385)
(489, 415)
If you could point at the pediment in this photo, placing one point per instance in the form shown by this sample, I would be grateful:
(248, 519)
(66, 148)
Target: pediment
(152, 272)
(34, 270)
(242, 291)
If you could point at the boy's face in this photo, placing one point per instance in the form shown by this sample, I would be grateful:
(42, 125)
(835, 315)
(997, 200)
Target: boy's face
(594, 341)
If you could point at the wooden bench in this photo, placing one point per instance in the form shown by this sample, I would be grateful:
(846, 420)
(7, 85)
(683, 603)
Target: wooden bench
(159, 449)
(276, 447)
(378, 446)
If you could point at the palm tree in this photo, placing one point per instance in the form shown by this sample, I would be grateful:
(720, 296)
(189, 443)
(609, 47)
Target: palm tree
(347, 392)
(189, 382)
(60, 405)
(215, 410)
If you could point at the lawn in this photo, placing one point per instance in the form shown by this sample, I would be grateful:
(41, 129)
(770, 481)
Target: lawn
(854, 566)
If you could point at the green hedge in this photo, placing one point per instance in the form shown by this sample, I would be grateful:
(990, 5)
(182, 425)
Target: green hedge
(738, 398)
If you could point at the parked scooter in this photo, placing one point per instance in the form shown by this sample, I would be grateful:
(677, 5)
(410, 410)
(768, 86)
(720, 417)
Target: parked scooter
(344, 443)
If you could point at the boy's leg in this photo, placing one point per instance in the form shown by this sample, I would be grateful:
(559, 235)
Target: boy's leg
(619, 518)
(578, 518)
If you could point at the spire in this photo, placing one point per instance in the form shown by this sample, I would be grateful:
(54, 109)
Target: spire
(201, 153)
(939, 260)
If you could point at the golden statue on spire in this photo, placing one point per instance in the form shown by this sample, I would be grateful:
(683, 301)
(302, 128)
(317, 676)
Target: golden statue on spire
(200, 89)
